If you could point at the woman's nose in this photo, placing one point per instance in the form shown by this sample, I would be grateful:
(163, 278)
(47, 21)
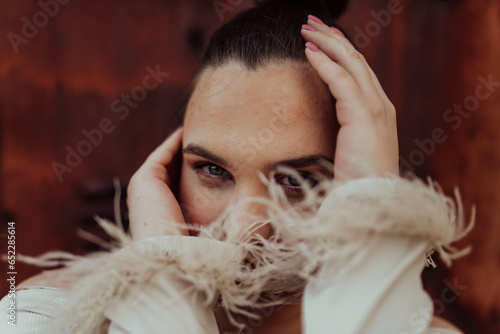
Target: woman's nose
(249, 214)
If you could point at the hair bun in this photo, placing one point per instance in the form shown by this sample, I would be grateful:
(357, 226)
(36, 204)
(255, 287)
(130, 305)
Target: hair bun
(332, 8)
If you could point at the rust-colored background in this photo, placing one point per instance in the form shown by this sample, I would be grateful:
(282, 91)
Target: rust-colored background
(427, 54)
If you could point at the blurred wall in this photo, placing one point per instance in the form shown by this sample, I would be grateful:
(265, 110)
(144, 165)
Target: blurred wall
(104, 78)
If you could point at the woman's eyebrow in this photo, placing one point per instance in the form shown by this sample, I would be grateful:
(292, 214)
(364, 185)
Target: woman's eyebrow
(301, 162)
(204, 153)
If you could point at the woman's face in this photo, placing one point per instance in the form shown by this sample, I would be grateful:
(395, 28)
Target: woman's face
(240, 122)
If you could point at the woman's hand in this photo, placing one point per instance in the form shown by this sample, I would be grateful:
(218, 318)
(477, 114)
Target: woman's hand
(150, 199)
(367, 143)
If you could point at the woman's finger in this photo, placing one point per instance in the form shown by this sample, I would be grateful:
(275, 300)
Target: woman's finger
(332, 31)
(150, 200)
(151, 207)
(342, 85)
(164, 153)
(336, 33)
(346, 56)
(344, 47)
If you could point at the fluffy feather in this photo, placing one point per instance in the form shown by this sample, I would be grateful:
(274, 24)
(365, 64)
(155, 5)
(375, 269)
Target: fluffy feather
(328, 225)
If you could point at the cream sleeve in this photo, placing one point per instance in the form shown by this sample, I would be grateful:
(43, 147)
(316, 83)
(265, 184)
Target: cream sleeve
(378, 290)
(35, 309)
(167, 304)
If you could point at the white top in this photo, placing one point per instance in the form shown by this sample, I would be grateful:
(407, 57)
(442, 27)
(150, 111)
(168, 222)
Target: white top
(377, 291)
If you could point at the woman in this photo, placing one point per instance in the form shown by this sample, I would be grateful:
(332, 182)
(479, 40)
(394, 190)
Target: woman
(265, 120)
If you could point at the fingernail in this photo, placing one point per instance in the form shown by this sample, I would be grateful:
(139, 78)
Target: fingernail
(338, 31)
(315, 19)
(312, 47)
(308, 27)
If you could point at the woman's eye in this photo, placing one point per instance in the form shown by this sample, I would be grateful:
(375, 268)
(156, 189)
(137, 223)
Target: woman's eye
(290, 181)
(293, 182)
(213, 170)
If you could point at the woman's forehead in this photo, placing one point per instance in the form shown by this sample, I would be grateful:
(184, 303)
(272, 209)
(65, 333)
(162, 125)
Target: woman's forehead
(234, 92)
(274, 112)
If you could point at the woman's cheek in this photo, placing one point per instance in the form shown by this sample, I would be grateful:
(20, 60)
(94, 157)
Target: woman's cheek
(200, 205)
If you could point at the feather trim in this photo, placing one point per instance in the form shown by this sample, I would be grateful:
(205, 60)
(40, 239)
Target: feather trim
(327, 225)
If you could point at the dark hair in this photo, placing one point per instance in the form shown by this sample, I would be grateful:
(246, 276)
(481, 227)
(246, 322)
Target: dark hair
(268, 33)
